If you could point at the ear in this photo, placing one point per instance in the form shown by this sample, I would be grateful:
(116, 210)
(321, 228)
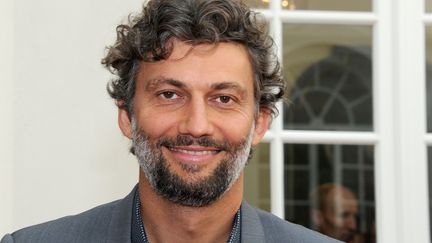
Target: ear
(261, 125)
(124, 122)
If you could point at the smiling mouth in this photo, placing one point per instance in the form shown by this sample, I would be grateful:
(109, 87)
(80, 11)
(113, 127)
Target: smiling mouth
(194, 152)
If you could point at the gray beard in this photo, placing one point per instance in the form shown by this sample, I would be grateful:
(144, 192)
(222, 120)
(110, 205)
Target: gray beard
(194, 192)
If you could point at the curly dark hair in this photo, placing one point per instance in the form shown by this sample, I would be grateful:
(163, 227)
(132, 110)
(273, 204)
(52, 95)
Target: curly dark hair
(146, 38)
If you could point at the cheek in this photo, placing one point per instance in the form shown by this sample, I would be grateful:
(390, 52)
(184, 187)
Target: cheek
(339, 222)
(155, 124)
(235, 128)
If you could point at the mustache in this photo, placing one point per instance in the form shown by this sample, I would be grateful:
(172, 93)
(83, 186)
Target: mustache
(187, 140)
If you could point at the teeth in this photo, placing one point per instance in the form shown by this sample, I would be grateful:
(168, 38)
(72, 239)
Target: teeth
(197, 153)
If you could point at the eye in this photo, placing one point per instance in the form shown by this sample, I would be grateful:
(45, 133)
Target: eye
(224, 99)
(169, 95)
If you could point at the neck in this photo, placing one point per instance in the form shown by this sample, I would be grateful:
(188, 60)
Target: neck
(165, 221)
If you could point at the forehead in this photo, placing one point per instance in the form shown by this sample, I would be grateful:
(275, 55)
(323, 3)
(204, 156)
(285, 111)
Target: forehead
(340, 199)
(203, 64)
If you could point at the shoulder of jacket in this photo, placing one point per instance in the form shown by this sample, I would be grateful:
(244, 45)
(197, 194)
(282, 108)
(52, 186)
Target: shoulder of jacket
(279, 230)
(70, 228)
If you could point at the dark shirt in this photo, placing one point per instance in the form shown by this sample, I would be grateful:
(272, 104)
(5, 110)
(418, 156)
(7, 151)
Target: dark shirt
(138, 234)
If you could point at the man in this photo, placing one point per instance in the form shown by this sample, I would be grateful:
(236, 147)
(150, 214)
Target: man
(197, 85)
(335, 212)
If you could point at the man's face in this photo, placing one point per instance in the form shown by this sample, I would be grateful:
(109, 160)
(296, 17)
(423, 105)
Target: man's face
(339, 217)
(194, 121)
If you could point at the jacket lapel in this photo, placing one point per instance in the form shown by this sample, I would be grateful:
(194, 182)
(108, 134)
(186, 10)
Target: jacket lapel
(120, 225)
(121, 221)
(251, 227)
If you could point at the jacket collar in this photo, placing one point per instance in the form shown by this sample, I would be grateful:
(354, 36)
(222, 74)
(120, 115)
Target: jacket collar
(252, 229)
(121, 221)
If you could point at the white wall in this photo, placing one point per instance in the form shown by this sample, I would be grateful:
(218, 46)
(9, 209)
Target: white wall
(60, 149)
(6, 115)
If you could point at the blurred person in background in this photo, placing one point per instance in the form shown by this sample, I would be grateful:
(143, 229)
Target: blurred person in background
(335, 212)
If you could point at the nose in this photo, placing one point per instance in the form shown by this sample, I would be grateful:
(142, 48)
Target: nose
(196, 121)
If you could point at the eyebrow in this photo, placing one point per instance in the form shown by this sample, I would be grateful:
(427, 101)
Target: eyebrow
(154, 83)
(229, 85)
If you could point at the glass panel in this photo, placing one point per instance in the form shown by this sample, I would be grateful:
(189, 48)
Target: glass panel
(257, 178)
(429, 6)
(330, 188)
(335, 5)
(258, 3)
(328, 70)
(429, 77)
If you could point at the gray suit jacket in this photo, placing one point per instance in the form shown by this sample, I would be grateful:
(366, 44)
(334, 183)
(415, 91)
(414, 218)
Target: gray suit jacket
(111, 223)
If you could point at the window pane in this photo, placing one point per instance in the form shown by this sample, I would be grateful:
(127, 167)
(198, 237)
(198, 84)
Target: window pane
(328, 70)
(429, 76)
(257, 178)
(258, 3)
(330, 188)
(335, 5)
(429, 6)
